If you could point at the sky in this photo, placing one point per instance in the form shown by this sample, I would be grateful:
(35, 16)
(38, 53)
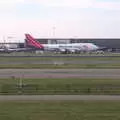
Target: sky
(59, 19)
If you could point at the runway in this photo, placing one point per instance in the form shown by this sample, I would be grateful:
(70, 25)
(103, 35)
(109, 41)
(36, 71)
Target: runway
(59, 97)
(61, 73)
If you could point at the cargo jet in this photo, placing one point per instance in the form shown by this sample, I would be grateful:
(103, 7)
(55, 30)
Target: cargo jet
(62, 48)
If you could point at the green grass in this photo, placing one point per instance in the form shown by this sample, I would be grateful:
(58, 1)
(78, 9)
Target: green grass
(60, 110)
(61, 86)
(55, 58)
(60, 66)
(59, 63)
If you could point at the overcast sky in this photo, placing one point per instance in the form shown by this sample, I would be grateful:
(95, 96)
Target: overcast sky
(60, 18)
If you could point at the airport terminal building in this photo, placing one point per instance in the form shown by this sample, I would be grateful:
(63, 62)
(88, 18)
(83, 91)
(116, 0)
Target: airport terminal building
(107, 42)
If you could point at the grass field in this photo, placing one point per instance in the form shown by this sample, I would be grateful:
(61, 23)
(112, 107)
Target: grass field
(59, 62)
(60, 86)
(60, 110)
(14, 58)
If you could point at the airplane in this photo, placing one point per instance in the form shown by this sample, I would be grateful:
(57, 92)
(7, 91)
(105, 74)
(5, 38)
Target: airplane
(61, 48)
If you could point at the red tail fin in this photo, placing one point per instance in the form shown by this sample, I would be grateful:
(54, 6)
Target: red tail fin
(32, 42)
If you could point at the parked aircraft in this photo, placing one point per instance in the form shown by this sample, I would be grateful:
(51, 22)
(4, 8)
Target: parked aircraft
(62, 48)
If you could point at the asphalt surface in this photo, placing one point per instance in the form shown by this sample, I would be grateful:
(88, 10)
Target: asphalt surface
(61, 73)
(63, 56)
(58, 97)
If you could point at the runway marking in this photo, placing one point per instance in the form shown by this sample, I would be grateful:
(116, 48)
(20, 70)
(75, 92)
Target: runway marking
(61, 73)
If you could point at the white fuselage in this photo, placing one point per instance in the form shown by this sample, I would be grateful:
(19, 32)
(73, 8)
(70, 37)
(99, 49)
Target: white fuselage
(72, 46)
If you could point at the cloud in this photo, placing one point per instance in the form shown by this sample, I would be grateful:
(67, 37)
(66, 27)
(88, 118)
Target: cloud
(17, 18)
(111, 5)
(6, 4)
(65, 3)
(107, 5)
(114, 5)
(7, 8)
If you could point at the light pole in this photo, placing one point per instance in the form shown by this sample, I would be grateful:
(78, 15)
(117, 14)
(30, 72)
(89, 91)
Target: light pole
(53, 28)
(76, 39)
(4, 41)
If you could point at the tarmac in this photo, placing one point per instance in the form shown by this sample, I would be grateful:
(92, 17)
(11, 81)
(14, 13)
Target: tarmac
(59, 98)
(63, 56)
(61, 73)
